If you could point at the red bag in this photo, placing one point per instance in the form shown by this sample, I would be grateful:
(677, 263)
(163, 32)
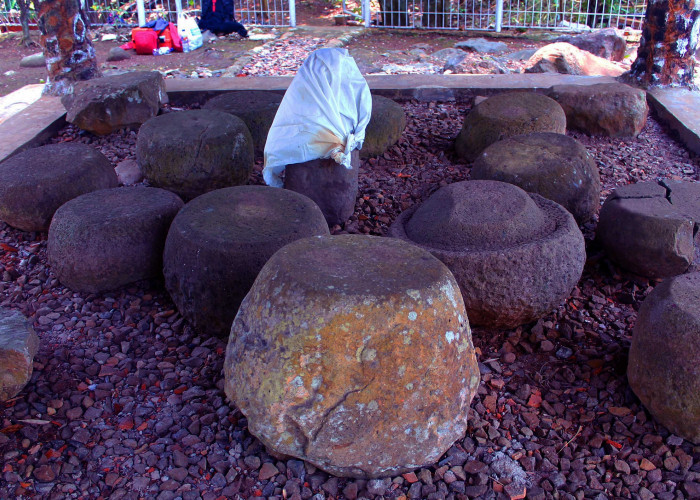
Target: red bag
(165, 39)
(177, 42)
(145, 40)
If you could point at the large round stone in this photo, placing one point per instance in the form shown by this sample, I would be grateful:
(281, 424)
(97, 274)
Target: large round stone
(34, 183)
(193, 152)
(384, 128)
(506, 115)
(612, 109)
(516, 256)
(109, 238)
(353, 353)
(255, 107)
(552, 165)
(330, 185)
(19, 344)
(219, 242)
(665, 353)
(649, 228)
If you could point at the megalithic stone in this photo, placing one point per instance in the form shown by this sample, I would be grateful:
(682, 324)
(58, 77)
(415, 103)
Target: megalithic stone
(18, 346)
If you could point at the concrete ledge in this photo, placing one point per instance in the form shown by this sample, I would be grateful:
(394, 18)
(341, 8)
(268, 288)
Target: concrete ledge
(32, 126)
(460, 88)
(680, 110)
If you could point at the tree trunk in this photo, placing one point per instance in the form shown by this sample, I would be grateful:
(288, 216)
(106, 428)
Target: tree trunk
(669, 40)
(24, 21)
(70, 56)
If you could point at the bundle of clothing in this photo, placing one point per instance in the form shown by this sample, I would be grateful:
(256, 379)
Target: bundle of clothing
(218, 17)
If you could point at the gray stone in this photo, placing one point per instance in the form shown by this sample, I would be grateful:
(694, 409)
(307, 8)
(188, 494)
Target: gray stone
(482, 46)
(117, 54)
(103, 105)
(648, 228)
(605, 43)
(330, 185)
(507, 115)
(219, 242)
(194, 152)
(385, 127)
(128, 172)
(444, 55)
(256, 108)
(520, 55)
(328, 321)
(106, 239)
(663, 359)
(33, 61)
(18, 346)
(35, 182)
(611, 109)
(562, 57)
(515, 256)
(552, 165)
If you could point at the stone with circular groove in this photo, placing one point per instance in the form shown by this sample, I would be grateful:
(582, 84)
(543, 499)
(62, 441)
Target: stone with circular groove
(219, 242)
(353, 353)
(515, 256)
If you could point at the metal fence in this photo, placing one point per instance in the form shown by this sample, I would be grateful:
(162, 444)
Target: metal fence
(566, 15)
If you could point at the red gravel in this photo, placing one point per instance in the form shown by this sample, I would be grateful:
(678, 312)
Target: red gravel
(126, 400)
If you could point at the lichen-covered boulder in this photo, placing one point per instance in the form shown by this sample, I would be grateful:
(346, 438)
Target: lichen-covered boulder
(516, 256)
(506, 115)
(665, 353)
(353, 353)
(219, 242)
(330, 185)
(103, 105)
(385, 127)
(18, 346)
(605, 43)
(564, 58)
(610, 109)
(194, 152)
(552, 165)
(35, 182)
(109, 238)
(649, 228)
(255, 107)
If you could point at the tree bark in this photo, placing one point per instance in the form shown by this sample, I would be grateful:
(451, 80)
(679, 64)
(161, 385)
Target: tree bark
(24, 21)
(70, 56)
(669, 40)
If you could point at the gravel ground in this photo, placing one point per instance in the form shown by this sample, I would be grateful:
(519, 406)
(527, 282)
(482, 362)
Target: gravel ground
(126, 401)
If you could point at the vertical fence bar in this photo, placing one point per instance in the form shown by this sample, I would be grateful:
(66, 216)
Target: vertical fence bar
(141, 12)
(292, 13)
(499, 15)
(366, 12)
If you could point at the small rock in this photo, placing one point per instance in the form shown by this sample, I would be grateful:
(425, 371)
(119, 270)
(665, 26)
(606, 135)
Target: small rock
(128, 172)
(45, 474)
(33, 61)
(118, 54)
(482, 46)
(267, 471)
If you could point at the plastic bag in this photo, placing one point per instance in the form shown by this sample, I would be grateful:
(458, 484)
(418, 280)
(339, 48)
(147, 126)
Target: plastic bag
(323, 114)
(189, 33)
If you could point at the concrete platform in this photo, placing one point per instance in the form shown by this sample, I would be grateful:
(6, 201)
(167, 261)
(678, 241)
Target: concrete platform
(680, 110)
(34, 124)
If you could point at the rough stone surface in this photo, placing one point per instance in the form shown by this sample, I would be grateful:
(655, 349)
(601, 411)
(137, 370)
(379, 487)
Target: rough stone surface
(128, 172)
(651, 228)
(193, 152)
(385, 127)
(256, 108)
(506, 115)
(482, 46)
(353, 353)
(562, 57)
(663, 359)
(330, 185)
(103, 105)
(117, 54)
(515, 256)
(219, 242)
(612, 109)
(108, 238)
(552, 165)
(604, 43)
(18, 346)
(35, 182)
(33, 61)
